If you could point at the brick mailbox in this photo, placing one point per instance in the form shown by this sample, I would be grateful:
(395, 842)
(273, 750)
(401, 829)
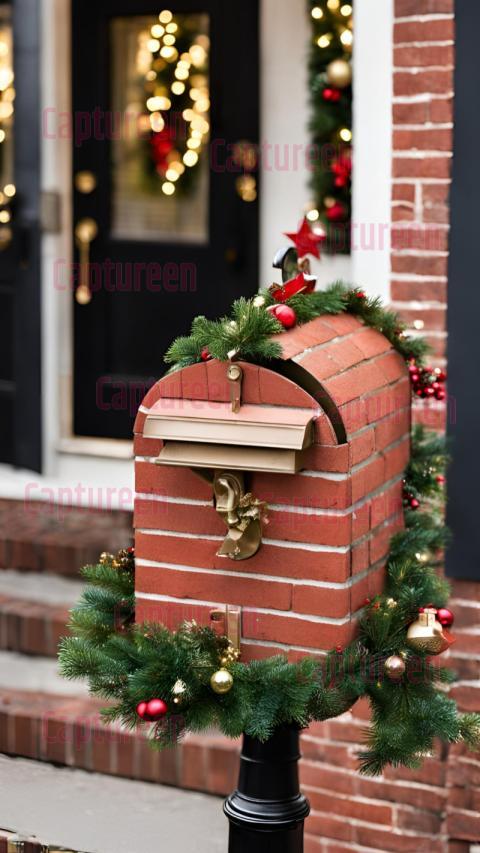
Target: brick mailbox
(273, 491)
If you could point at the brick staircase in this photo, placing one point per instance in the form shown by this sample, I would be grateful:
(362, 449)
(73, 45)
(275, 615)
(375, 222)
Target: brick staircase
(46, 546)
(46, 719)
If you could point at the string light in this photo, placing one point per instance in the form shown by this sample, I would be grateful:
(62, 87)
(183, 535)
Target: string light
(2, 135)
(324, 40)
(190, 158)
(418, 324)
(346, 10)
(168, 188)
(165, 17)
(158, 102)
(153, 45)
(169, 53)
(172, 27)
(178, 87)
(156, 122)
(169, 40)
(313, 215)
(346, 134)
(346, 38)
(333, 5)
(157, 31)
(9, 190)
(4, 216)
(317, 13)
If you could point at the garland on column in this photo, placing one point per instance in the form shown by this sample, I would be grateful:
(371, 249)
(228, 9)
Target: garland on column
(191, 679)
(330, 76)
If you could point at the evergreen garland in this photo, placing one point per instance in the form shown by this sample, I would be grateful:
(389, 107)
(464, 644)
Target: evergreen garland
(331, 119)
(127, 663)
(250, 330)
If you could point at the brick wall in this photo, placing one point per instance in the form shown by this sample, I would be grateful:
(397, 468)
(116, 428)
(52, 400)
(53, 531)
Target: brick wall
(435, 808)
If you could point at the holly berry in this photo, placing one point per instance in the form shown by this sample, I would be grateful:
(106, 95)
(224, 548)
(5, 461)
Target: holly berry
(205, 354)
(414, 504)
(440, 479)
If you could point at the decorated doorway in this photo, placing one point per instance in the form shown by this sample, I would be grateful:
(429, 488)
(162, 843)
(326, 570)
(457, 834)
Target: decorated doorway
(165, 127)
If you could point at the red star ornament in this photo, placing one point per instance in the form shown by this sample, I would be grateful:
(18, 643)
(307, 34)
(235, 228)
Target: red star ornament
(306, 241)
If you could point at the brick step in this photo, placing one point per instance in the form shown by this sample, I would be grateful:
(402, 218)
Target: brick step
(68, 730)
(45, 537)
(34, 611)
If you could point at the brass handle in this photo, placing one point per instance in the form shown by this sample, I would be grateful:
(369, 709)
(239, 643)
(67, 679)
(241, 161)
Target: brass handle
(85, 231)
(6, 237)
(85, 182)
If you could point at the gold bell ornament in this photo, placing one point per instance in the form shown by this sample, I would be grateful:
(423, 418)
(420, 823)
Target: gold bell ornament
(426, 634)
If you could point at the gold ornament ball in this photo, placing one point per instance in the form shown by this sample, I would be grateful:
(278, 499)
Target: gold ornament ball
(339, 73)
(395, 667)
(221, 681)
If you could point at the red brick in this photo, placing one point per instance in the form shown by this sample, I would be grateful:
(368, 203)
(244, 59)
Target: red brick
(424, 238)
(402, 213)
(461, 824)
(355, 382)
(170, 481)
(403, 192)
(392, 428)
(397, 841)
(426, 265)
(441, 109)
(278, 391)
(317, 601)
(323, 457)
(365, 810)
(146, 446)
(288, 562)
(428, 291)
(368, 478)
(307, 491)
(437, 139)
(417, 31)
(316, 635)
(407, 8)
(243, 591)
(416, 56)
(362, 446)
(421, 167)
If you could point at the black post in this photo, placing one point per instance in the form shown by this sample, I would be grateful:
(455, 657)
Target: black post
(267, 810)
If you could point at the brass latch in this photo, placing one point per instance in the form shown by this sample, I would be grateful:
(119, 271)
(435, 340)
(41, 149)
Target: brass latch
(242, 513)
(235, 377)
(226, 622)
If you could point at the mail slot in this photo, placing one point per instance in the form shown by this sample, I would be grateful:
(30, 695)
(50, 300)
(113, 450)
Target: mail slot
(274, 489)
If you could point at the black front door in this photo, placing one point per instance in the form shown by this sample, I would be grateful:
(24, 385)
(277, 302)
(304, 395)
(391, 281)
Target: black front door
(165, 125)
(20, 296)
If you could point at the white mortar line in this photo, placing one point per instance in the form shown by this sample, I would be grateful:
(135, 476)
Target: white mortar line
(321, 620)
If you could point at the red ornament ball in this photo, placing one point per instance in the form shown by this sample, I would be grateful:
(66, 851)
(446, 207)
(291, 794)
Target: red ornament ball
(332, 95)
(285, 315)
(414, 504)
(440, 479)
(156, 709)
(336, 213)
(205, 354)
(445, 617)
(152, 711)
(142, 709)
